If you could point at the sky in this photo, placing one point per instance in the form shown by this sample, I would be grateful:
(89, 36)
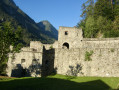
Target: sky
(57, 12)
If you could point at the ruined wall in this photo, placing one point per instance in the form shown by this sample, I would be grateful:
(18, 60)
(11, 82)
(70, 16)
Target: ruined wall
(100, 43)
(48, 46)
(25, 63)
(36, 46)
(84, 57)
(104, 62)
(51, 46)
(72, 36)
(36, 60)
(48, 61)
(64, 58)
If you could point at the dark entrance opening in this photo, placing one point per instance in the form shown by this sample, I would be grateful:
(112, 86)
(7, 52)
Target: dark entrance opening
(66, 32)
(65, 46)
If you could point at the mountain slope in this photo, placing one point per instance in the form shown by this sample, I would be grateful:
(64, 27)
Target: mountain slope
(31, 31)
(48, 28)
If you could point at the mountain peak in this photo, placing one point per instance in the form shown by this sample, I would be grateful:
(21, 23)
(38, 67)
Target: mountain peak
(49, 28)
(45, 22)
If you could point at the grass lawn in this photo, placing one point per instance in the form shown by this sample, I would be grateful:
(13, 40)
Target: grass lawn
(60, 82)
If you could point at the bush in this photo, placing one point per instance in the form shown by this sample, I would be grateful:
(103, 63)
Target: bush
(88, 55)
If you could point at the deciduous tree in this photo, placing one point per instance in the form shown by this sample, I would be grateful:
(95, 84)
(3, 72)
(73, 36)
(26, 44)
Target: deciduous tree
(8, 36)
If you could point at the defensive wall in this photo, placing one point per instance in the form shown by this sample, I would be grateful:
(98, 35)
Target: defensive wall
(70, 55)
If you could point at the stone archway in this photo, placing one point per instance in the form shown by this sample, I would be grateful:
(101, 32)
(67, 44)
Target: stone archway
(65, 45)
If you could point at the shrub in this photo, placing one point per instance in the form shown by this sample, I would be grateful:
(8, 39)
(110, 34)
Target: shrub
(88, 55)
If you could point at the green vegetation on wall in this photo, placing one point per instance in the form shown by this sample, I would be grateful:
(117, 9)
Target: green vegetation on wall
(112, 50)
(88, 55)
(51, 47)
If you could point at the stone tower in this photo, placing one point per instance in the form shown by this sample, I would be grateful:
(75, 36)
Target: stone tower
(69, 37)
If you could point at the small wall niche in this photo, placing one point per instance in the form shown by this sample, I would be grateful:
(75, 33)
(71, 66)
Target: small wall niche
(34, 62)
(34, 49)
(22, 60)
(66, 33)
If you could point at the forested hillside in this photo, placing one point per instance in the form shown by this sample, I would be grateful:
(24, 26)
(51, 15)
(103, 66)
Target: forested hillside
(9, 12)
(100, 18)
(49, 29)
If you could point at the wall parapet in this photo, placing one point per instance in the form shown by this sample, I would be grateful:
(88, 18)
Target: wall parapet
(99, 39)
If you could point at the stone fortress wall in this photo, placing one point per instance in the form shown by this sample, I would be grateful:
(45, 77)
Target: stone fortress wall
(104, 55)
(29, 60)
(104, 62)
(70, 55)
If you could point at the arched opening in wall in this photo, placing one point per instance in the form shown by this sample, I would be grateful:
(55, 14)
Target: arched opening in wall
(65, 45)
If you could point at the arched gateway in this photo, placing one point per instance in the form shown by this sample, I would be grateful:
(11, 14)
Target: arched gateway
(65, 45)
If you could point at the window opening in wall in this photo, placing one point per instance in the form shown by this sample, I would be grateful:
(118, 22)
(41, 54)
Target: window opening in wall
(66, 32)
(22, 60)
(34, 49)
(34, 62)
(65, 46)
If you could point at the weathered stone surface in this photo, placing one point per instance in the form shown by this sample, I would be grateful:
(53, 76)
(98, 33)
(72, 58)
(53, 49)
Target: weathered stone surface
(70, 55)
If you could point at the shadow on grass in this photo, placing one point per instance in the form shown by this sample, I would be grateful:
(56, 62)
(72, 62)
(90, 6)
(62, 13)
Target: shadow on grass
(51, 84)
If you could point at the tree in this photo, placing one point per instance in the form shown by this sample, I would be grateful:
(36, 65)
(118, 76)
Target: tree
(8, 36)
(116, 23)
(100, 18)
(116, 7)
(104, 8)
(87, 15)
(87, 9)
(90, 27)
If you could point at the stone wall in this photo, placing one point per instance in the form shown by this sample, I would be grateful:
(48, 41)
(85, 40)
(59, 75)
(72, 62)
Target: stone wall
(36, 46)
(104, 62)
(48, 61)
(100, 43)
(83, 56)
(103, 54)
(26, 63)
(36, 60)
(72, 36)
(51, 46)
(48, 46)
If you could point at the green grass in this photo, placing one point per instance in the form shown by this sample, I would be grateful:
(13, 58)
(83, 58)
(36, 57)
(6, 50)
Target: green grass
(60, 82)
